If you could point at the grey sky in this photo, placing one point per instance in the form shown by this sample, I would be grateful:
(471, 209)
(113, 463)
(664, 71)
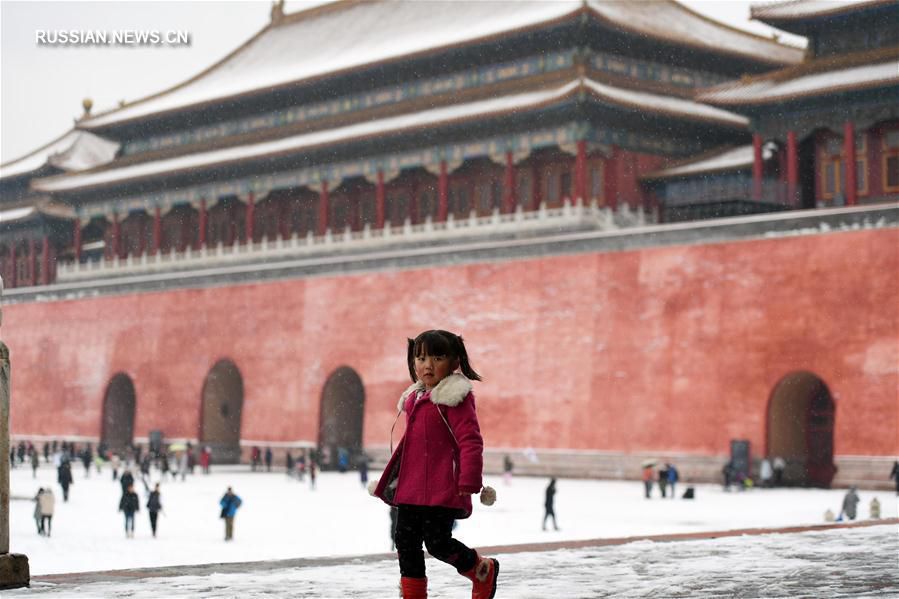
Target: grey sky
(43, 86)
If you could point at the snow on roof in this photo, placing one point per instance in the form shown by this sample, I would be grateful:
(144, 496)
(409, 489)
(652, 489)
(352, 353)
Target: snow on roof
(7, 216)
(426, 118)
(25, 212)
(740, 157)
(349, 35)
(74, 151)
(667, 104)
(674, 22)
(803, 9)
(762, 90)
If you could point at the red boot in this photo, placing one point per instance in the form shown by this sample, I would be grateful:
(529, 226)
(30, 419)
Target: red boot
(414, 588)
(483, 578)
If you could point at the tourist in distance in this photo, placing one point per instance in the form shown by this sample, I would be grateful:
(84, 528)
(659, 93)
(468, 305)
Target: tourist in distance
(549, 504)
(130, 505)
(229, 504)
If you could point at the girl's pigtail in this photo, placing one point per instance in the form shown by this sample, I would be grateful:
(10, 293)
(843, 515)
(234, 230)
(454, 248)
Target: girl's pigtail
(410, 359)
(466, 368)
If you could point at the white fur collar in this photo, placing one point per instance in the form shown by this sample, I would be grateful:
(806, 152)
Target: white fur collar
(448, 392)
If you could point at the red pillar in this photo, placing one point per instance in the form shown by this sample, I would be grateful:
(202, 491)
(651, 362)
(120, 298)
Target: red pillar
(323, 208)
(580, 173)
(76, 243)
(201, 224)
(792, 168)
(379, 201)
(45, 261)
(610, 180)
(157, 231)
(757, 167)
(250, 215)
(442, 193)
(32, 263)
(849, 154)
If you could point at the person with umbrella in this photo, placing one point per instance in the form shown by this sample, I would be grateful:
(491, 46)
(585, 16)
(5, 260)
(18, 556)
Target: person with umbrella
(648, 466)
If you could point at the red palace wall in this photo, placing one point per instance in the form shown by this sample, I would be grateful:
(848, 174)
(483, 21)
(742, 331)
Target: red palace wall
(670, 348)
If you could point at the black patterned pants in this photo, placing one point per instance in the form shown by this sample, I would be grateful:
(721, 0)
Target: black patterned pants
(433, 527)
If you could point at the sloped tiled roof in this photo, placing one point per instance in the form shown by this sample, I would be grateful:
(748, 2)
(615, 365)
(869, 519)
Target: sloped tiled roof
(73, 151)
(764, 90)
(799, 10)
(644, 102)
(349, 35)
(716, 161)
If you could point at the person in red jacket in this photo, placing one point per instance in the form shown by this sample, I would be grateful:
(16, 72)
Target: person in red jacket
(437, 466)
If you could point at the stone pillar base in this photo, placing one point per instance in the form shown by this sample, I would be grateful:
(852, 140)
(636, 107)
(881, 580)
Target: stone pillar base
(14, 572)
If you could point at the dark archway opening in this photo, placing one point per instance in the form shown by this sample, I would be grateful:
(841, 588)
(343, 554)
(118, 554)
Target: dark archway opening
(341, 419)
(119, 405)
(800, 429)
(221, 412)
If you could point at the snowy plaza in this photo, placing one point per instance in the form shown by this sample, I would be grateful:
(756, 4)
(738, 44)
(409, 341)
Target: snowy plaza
(283, 519)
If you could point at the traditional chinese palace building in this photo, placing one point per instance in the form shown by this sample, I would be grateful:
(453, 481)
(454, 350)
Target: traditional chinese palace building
(239, 259)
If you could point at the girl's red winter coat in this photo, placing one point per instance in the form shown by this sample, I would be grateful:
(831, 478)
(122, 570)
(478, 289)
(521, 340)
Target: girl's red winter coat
(441, 453)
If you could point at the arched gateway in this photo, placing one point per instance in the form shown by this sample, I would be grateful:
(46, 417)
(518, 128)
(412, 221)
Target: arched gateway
(117, 430)
(800, 429)
(221, 410)
(342, 410)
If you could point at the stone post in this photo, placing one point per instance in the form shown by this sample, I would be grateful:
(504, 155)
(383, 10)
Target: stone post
(13, 567)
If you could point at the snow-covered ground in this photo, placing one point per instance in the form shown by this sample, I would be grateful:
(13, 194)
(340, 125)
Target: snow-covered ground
(282, 518)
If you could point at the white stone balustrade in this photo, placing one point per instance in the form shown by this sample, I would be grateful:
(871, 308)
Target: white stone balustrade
(550, 219)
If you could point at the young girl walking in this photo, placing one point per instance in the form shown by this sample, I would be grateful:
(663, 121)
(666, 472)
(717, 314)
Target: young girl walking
(437, 466)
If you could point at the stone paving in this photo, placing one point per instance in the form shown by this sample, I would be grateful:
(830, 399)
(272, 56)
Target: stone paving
(844, 560)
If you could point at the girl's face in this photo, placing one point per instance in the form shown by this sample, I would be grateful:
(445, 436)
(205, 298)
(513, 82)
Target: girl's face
(430, 370)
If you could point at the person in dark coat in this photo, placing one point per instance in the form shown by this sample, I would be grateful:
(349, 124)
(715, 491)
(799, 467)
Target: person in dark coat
(268, 459)
(129, 504)
(672, 477)
(35, 462)
(126, 480)
(154, 506)
(38, 519)
(663, 480)
(363, 470)
(894, 473)
(850, 503)
(728, 472)
(87, 457)
(549, 504)
(508, 467)
(64, 476)
(288, 463)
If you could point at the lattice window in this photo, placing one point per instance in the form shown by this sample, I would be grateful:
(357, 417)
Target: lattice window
(398, 207)
(833, 173)
(427, 203)
(459, 199)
